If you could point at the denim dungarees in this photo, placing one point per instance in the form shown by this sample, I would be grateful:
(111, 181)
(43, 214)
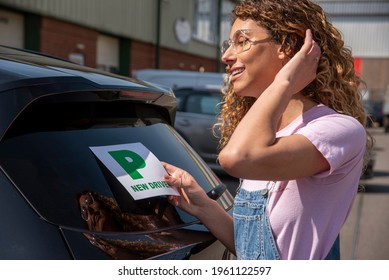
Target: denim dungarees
(252, 232)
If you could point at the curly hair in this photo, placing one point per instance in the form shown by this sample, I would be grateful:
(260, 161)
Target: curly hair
(337, 85)
(134, 222)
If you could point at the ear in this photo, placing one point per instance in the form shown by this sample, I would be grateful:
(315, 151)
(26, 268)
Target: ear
(284, 54)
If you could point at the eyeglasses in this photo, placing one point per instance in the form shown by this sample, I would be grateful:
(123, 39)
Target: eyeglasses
(84, 207)
(240, 41)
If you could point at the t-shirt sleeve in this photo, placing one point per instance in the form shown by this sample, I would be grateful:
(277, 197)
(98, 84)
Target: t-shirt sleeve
(341, 139)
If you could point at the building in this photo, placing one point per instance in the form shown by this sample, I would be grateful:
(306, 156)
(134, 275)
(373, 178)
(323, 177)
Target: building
(364, 25)
(120, 35)
(125, 35)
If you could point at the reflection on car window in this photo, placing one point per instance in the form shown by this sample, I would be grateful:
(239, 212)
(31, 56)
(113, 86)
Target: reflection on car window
(129, 249)
(102, 213)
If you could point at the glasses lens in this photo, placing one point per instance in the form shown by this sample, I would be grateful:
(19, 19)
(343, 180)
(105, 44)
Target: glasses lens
(88, 200)
(225, 45)
(241, 42)
(84, 214)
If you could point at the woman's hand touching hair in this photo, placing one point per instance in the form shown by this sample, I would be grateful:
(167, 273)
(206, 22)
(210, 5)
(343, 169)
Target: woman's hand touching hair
(302, 67)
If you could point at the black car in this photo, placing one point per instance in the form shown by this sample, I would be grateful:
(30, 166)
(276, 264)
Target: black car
(56, 199)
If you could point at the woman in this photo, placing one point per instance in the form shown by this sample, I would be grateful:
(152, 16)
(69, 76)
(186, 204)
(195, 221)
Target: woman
(292, 127)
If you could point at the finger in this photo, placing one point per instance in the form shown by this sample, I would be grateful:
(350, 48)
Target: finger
(315, 49)
(308, 35)
(173, 200)
(308, 42)
(172, 181)
(167, 166)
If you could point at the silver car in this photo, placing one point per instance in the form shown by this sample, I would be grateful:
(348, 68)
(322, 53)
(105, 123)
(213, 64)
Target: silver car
(195, 118)
(198, 95)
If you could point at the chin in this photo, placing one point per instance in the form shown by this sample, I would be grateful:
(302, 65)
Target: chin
(246, 91)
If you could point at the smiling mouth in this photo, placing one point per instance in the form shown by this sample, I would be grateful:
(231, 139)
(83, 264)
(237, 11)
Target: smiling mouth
(237, 71)
(234, 74)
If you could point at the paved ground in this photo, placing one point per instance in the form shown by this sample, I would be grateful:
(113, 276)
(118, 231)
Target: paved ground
(365, 234)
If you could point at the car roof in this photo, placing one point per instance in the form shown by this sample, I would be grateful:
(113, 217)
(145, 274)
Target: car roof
(26, 76)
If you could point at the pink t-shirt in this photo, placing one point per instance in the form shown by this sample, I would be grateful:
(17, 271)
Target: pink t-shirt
(306, 215)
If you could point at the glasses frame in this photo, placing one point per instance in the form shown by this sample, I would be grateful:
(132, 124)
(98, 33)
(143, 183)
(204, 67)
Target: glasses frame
(84, 208)
(226, 44)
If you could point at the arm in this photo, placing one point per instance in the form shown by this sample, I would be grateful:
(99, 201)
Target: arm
(253, 152)
(195, 201)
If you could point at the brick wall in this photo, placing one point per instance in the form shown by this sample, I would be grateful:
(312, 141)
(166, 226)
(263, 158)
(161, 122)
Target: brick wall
(171, 59)
(143, 56)
(375, 72)
(61, 39)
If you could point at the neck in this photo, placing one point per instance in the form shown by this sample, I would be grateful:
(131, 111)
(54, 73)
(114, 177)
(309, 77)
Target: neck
(296, 107)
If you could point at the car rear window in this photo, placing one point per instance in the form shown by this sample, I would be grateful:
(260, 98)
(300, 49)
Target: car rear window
(53, 169)
(50, 162)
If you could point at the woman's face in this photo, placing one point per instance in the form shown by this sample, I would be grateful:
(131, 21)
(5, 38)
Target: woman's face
(96, 215)
(253, 66)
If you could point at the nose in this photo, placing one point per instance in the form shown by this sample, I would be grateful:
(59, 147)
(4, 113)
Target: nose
(229, 56)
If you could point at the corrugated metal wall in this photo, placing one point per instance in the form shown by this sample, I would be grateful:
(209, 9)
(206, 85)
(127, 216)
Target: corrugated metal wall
(368, 37)
(364, 25)
(129, 18)
(355, 7)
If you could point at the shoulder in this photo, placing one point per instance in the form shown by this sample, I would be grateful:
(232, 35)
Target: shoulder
(325, 122)
(340, 138)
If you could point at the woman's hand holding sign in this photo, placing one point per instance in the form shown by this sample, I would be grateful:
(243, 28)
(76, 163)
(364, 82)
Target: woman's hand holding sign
(194, 200)
(192, 197)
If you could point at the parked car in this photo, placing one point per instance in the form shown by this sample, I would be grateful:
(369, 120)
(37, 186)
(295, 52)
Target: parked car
(199, 97)
(195, 119)
(56, 200)
(176, 79)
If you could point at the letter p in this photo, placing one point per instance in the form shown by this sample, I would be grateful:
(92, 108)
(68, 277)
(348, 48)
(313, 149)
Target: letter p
(130, 162)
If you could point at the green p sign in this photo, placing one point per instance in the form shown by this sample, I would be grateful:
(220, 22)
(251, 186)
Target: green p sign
(143, 170)
(130, 162)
